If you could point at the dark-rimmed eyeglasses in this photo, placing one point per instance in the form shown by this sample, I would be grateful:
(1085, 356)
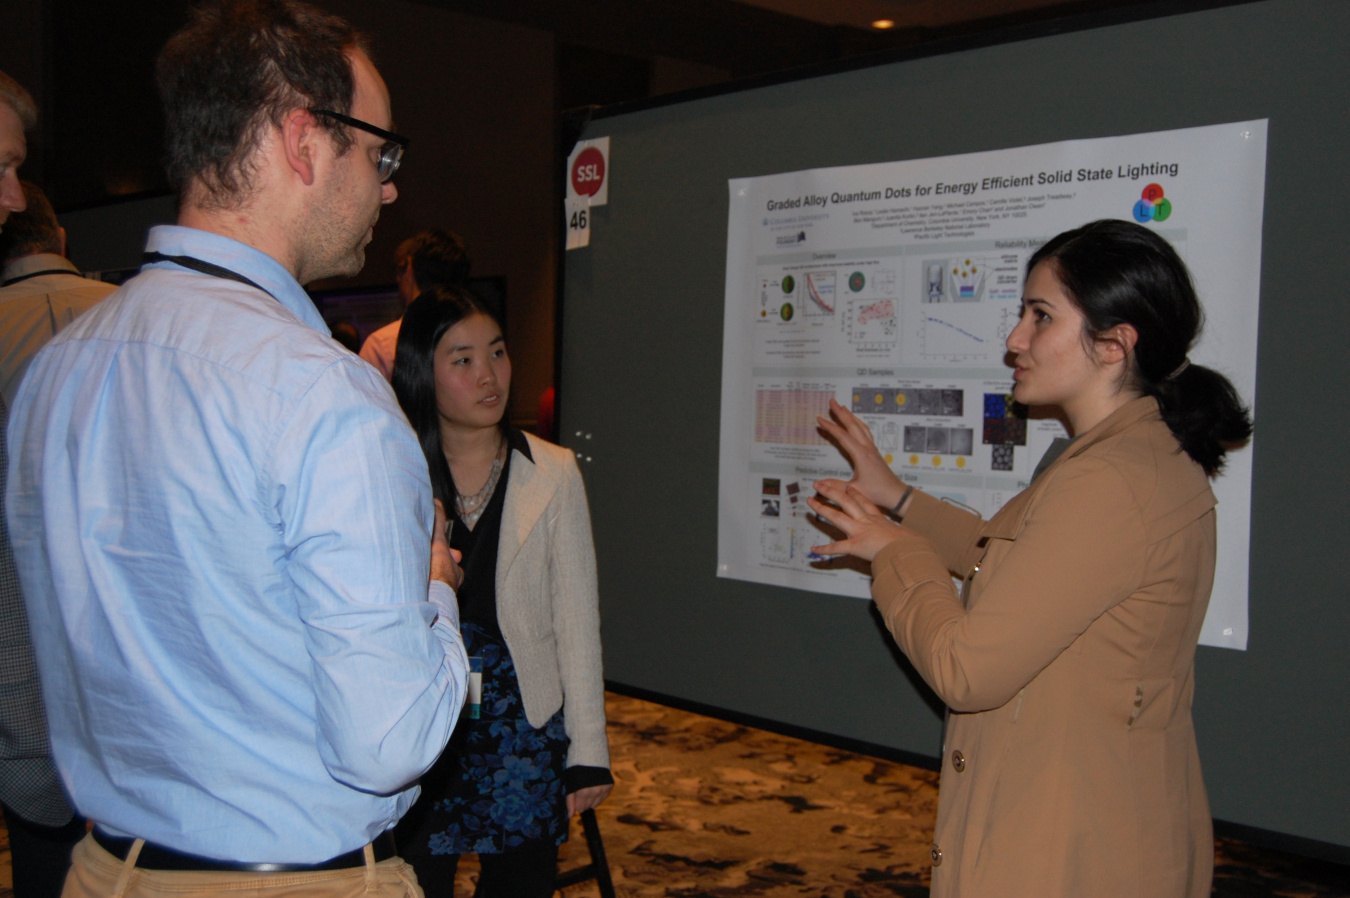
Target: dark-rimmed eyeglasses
(391, 154)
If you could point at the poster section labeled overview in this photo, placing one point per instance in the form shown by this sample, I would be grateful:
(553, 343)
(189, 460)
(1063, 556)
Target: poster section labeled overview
(892, 288)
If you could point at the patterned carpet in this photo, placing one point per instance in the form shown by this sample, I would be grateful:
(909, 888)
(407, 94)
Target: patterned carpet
(704, 808)
(708, 808)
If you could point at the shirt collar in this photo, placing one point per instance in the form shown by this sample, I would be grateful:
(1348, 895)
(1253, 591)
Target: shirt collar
(515, 439)
(17, 268)
(257, 266)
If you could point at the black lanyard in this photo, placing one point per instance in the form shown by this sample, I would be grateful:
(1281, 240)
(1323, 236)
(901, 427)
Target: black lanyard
(205, 268)
(38, 274)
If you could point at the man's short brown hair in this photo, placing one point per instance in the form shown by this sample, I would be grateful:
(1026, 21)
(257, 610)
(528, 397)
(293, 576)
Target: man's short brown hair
(438, 258)
(236, 69)
(15, 97)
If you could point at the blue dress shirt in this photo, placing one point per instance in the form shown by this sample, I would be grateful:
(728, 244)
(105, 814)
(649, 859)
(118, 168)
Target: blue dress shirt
(222, 524)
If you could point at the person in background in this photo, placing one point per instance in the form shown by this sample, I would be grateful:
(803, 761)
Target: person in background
(40, 292)
(345, 333)
(1070, 765)
(222, 522)
(18, 113)
(423, 260)
(536, 751)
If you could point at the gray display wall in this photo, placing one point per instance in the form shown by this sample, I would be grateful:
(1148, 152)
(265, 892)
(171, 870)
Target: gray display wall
(641, 374)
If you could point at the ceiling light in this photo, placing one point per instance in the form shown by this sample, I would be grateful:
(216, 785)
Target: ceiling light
(883, 24)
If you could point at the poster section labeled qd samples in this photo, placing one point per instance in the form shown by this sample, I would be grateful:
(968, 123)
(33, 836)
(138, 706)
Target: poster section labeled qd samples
(892, 288)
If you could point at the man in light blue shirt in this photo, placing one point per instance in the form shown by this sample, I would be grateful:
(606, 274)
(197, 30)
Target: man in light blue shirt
(222, 521)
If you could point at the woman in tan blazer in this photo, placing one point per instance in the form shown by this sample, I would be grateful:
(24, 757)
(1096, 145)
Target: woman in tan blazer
(530, 750)
(1069, 761)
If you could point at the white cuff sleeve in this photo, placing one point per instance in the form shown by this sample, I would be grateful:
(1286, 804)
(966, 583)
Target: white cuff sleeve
(443, 598)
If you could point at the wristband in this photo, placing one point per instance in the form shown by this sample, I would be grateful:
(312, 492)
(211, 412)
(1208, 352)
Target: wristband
(903, 498)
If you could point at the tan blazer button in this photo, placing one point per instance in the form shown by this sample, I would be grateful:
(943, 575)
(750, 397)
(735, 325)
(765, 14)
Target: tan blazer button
(936, 854)
(958, 761)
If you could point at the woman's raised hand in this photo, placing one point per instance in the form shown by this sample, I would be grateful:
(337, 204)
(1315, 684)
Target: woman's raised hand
(867, 529)
(871, 475)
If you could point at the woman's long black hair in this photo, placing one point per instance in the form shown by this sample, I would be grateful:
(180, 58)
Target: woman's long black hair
(426, 320)
(1119, 272)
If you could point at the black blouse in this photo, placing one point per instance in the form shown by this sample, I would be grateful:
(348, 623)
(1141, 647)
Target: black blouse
(478, 548)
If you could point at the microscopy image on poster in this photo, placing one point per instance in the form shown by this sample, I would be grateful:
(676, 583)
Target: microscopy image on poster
(893, 287)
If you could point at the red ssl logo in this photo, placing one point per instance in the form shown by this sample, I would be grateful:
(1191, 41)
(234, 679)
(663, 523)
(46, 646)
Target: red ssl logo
(588, 172)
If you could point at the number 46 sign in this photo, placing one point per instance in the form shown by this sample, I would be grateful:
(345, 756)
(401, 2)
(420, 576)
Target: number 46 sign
(587, 186)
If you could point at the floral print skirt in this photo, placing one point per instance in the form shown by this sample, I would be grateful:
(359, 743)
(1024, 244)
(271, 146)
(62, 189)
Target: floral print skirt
(498, 786)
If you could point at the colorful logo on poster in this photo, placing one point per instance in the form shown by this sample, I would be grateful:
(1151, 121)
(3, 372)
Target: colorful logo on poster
(1152, 205)
(856, 281)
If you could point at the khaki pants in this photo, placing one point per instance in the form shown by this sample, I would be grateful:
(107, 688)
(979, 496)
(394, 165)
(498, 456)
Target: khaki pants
(94, 873)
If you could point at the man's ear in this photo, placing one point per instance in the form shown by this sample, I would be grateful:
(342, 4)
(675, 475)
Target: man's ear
(61, 232)
(300, 134)
(1116, 343)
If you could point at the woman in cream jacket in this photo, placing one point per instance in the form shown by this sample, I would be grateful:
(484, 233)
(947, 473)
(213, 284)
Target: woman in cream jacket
(1069, 761)
(532, 751)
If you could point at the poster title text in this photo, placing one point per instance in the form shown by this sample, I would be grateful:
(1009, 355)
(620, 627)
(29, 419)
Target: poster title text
(1132, 172)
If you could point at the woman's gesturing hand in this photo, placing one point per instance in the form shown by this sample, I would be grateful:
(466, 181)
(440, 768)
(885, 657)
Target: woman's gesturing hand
(871, 475)
(867, 529)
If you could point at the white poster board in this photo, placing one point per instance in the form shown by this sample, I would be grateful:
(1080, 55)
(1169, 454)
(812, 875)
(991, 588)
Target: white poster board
(892, 287)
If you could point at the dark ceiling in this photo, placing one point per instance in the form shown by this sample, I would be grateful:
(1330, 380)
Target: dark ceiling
(746, 40)
(103, 132)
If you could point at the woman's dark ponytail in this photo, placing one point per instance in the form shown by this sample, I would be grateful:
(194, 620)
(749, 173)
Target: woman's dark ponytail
(1204, 412)
(1123, 273)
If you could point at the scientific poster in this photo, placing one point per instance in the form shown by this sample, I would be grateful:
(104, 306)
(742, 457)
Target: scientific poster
(892, 287)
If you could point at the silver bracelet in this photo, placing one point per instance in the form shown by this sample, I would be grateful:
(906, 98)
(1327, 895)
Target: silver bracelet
(896, 510)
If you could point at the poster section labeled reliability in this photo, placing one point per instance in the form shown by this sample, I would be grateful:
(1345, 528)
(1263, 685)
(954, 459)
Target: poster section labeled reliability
(892, 288)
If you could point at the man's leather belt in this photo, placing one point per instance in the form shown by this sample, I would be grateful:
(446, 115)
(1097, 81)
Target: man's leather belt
(157, 857)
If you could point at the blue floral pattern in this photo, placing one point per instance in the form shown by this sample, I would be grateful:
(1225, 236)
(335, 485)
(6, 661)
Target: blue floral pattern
(503, 788)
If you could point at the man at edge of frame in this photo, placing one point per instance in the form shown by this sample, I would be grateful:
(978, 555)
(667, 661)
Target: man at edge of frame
(240, 593)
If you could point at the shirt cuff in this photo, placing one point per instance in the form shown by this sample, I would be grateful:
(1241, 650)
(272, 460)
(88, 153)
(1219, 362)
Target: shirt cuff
(583, 777)
(442, 597)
